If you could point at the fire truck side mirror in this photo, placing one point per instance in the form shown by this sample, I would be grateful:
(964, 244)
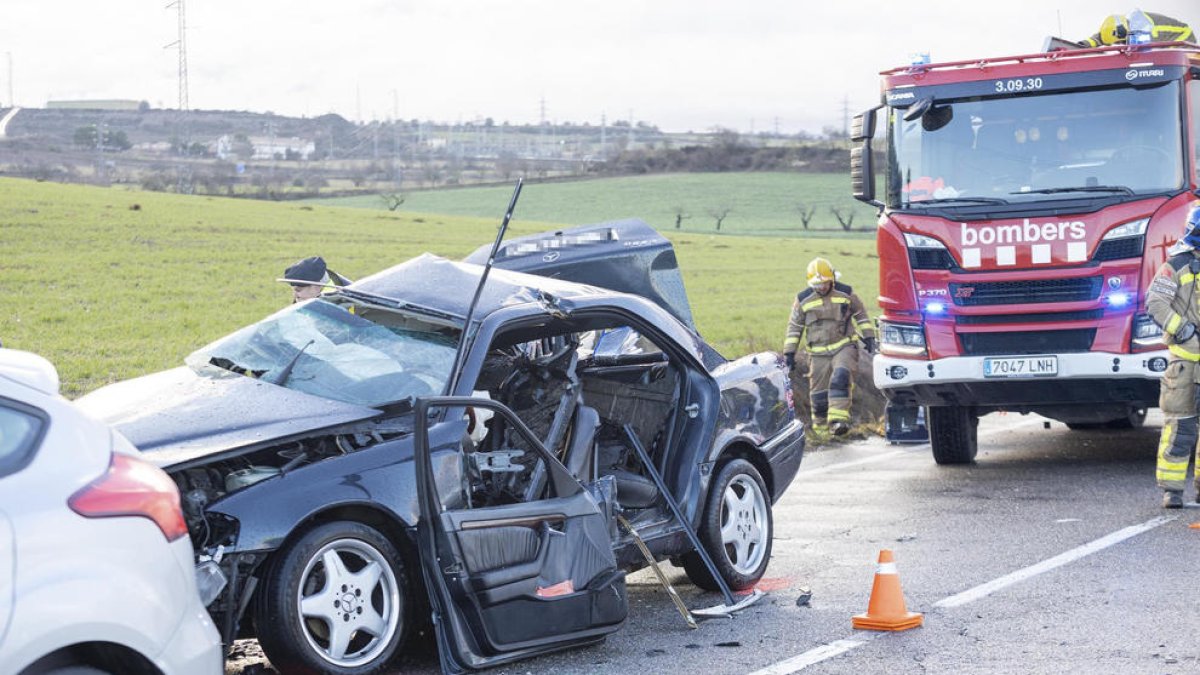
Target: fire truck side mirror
(862, 165)
(862, 127)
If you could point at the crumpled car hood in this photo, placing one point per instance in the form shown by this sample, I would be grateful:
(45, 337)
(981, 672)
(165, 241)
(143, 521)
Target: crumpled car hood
(177, 416)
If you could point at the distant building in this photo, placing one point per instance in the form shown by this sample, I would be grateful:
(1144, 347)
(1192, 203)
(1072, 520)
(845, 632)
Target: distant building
(268, 147)
(97, 104)
(155, 147)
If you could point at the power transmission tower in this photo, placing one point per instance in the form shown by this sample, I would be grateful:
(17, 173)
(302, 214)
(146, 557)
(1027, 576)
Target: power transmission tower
(846, 116)
(184, 129)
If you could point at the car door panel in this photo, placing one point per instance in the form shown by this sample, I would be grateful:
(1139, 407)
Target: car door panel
(515, 579)
(8, 570)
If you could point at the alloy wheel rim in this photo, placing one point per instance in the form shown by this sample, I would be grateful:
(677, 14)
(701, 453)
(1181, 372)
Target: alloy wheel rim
(349, 603)
(744, 525)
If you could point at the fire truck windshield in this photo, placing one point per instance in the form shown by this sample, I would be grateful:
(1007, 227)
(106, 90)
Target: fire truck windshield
(1053, 146)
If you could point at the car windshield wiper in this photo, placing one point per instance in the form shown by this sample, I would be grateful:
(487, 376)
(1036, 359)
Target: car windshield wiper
(286, 372)
(947, 200)
(1082, 188)
(222, 362)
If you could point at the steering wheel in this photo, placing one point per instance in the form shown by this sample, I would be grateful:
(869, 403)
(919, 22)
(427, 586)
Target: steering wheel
(1137, 154)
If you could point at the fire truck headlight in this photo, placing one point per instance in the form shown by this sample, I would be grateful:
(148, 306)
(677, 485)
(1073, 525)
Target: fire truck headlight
(901, 338)
(1135, 228)
(935, 308)
(1118, 299)
(1146, 333)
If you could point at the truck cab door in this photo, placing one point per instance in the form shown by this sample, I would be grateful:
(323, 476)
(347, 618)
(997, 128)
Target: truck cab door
(508, 578)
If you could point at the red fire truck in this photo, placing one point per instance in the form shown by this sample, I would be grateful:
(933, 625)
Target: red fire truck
(1027, 203)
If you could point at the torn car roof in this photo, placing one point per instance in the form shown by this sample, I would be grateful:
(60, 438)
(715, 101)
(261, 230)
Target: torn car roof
(627, 256)
(436, 283)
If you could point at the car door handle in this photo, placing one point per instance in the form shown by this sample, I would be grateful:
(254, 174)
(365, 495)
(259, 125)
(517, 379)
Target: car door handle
(692, 410)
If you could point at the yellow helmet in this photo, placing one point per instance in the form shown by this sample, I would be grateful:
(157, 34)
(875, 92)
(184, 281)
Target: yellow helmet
(1114, 30)
(819, 272)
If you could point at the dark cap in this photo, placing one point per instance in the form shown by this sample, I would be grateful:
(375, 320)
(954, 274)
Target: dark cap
(308, 271)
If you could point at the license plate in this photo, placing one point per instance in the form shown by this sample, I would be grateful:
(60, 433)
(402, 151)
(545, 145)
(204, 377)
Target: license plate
(1021, 366)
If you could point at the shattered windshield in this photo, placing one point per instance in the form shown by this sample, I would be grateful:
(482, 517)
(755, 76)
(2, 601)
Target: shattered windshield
(1122, 141)
(356, 353)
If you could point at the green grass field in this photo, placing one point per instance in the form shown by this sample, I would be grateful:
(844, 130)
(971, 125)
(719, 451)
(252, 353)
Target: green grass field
(109, 284)
(760, 203)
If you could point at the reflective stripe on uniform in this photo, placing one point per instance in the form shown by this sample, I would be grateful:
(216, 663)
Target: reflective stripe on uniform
(865, 323)
(1173, 324)
(812, 349)
(794, 340)
(813, 304)
(837, 414)
(1186, 278)
(1171, 471)
(1182, 353)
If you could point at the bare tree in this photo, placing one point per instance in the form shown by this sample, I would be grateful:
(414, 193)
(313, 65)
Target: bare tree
(719, 213)
(806, 212)
(680, 216)
(392, 200)
(845, 220)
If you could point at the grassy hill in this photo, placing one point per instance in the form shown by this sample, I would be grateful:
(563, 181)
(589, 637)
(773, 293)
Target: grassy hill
(109, 283)
(758, 203)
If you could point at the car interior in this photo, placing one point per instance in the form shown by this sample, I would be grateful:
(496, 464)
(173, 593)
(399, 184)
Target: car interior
(582, 388)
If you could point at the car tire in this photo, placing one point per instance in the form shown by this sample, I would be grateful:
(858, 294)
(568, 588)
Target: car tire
(953, 434)
(301, 602)
(736, 529)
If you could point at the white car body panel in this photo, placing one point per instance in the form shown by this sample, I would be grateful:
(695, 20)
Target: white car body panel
(83, 579)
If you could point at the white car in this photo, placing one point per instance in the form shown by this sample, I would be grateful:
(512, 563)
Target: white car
(96, 567)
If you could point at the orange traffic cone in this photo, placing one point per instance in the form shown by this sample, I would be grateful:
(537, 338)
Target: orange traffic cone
(886, 610)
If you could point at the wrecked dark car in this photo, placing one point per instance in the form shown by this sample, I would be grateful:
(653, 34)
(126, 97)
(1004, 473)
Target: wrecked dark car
(292, 442)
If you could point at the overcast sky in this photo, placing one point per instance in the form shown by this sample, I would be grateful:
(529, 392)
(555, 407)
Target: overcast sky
(681, 64)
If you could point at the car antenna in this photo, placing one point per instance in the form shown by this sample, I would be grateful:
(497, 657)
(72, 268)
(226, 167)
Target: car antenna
(456, 372)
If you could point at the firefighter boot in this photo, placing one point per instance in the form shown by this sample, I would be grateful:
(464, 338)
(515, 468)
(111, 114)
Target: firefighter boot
(1172, 499)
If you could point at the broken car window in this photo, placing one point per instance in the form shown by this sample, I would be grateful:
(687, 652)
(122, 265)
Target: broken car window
(338, 350)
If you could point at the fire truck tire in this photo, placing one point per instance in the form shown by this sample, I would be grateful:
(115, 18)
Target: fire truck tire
(954, 434)
(1134, 420)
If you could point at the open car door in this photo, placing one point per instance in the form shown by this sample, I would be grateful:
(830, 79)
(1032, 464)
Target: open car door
(508, 578)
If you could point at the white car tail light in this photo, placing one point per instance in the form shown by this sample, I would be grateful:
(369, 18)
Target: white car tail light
(132, 487)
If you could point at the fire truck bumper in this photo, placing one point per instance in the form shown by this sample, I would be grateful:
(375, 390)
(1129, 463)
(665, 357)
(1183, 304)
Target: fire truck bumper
(1023, 382)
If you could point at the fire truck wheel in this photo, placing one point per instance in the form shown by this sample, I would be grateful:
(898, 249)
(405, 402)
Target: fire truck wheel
(953, 433)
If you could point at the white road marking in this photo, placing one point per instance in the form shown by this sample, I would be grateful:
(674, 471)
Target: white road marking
(838, 647)
(829, 468)
(808, 658)
(1059, 560)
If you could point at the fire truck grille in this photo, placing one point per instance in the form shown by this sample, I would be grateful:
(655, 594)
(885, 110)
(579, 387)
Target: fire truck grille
(1025, 292)
(1027, 342)
(1116, 249)
(992, 319)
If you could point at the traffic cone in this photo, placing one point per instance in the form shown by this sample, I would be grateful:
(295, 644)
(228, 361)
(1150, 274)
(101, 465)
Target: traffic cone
(886, 610)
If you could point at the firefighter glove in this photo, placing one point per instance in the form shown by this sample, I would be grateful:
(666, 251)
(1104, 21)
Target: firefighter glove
(871, 345)
(791, 360)
(1185, 332)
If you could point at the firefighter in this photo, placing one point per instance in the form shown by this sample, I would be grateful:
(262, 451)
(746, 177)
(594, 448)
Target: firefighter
(1115, 30)
(310, 278)
(827, 318)
(1173, 304)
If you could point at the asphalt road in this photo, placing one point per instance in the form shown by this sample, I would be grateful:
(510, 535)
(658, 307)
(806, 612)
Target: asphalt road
(1051, 554)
